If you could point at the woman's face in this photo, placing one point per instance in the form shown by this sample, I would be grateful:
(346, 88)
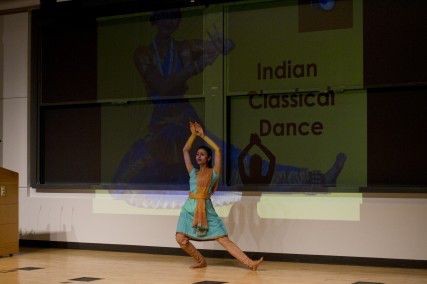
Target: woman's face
(202, 157)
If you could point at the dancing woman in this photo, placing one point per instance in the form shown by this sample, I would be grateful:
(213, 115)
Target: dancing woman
(198, 219)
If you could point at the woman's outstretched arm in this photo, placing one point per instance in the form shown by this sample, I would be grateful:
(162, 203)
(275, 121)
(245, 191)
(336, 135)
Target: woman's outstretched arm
(187, 148)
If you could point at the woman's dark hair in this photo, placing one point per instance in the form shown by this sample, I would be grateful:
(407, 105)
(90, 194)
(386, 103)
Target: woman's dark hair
(209, 152)
(165, 14)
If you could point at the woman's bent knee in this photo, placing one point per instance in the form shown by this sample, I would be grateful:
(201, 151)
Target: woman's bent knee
(223, 240)
(181, 239)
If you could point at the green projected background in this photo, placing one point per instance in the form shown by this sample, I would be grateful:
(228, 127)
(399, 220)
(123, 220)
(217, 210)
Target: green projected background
(273, 68)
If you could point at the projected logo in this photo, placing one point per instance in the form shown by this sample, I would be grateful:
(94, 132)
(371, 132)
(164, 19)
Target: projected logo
(319, 15)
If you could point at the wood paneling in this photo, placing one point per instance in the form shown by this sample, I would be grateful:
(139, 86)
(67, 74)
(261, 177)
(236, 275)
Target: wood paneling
(9, 232)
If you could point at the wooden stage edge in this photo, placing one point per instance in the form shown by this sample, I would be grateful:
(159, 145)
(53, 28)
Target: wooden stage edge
(300, 258)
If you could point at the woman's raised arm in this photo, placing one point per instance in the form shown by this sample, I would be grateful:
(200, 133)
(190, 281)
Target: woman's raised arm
(187, 148)
(213, 145)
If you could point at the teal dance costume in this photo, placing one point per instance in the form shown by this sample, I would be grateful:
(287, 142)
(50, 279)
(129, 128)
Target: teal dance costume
(215, 227)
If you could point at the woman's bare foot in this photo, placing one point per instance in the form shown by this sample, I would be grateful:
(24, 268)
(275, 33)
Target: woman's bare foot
(199, 264)
(256, 263)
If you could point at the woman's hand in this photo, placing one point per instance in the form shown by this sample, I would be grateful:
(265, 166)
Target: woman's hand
(192, 128)
(199, 130)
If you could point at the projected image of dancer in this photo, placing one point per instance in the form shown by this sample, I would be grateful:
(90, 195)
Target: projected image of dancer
(198, 219)
(165, 66)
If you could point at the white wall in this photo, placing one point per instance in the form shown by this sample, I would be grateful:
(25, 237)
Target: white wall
(15, 93)
(388, 227)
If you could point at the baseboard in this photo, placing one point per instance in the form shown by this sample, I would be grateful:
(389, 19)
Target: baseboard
(302, 258)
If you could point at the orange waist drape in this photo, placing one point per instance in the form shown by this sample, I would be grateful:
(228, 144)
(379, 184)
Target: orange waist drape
(200, 221)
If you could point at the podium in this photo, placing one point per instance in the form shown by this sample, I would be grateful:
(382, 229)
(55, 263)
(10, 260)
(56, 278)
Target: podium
(9, 232)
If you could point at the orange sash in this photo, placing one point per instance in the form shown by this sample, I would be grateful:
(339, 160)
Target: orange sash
(200, 221)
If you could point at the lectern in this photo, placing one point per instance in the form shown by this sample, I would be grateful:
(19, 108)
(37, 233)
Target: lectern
(9, 235)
